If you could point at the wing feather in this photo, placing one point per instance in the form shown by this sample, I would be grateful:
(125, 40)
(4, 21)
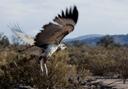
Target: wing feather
(21, 35)
(54, 33)
(46, 36)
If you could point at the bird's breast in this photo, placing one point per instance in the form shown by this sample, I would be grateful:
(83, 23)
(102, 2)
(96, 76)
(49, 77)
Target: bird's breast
(51, 49)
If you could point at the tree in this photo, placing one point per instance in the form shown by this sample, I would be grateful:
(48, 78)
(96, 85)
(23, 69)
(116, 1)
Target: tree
(4, 41)
(106, 41)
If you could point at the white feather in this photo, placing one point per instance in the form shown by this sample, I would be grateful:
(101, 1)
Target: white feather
(21, 35)
(53, 48)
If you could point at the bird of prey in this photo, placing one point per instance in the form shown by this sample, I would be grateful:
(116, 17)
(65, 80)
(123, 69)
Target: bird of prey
(50, 38)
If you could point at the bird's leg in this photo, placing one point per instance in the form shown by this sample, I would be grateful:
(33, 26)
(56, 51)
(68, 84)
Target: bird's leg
(43, 65)
(46, 69)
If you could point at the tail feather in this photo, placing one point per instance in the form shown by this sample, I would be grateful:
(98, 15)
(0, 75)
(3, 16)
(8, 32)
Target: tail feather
(21, 35)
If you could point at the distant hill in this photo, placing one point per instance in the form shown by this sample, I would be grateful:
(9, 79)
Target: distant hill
(94, 38)
(121, 39)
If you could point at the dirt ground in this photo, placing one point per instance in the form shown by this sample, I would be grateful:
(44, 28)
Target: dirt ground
(116, 83)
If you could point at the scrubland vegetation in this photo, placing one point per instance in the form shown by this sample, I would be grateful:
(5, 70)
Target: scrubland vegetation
(68, 69)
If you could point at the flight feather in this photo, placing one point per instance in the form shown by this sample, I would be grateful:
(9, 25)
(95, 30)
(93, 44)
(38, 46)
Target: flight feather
(21, 35)
(53, 33)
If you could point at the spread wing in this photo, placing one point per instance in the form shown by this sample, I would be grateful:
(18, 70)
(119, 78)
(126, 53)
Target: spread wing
(63, 24)
(21, 35)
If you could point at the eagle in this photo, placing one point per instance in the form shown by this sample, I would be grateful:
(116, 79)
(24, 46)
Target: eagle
(49, 39)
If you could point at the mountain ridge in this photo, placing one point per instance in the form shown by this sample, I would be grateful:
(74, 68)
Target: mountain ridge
(92, 39)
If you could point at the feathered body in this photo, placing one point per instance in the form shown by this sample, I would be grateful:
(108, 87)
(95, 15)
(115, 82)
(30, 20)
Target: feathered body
(49, 39)
(53, 48)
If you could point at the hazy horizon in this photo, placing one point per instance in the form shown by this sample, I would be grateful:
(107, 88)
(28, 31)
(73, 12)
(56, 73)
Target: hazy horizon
(95, 16)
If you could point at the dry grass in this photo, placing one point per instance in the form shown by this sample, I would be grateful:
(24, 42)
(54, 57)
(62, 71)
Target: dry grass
(67, 69)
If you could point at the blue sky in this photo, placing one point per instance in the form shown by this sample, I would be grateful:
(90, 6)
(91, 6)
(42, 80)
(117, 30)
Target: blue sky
(95, 16)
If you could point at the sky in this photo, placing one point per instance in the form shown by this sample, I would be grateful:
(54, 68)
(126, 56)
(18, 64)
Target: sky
(95, 16)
